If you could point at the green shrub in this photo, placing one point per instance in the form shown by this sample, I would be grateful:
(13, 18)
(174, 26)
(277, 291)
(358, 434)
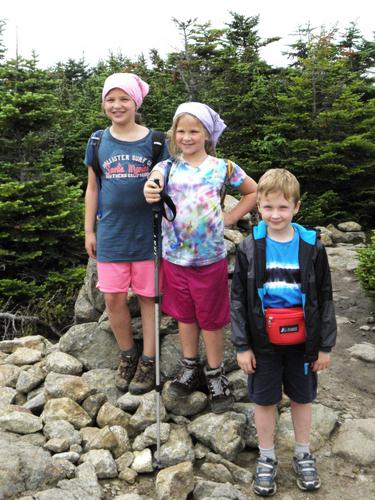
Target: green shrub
(315, 209)
(56, 307)
(47, 308)
(366, 269)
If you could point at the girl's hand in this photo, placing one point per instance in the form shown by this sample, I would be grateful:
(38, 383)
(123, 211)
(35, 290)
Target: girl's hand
(246, 360)
(90, 245)
(323, 362)
(151, 190)
(248, 189)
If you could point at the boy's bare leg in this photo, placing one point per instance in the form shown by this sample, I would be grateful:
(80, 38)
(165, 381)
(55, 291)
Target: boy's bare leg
(301, 417)
(214, 343)
(119, 318)
(147, 306)
(266, 465)
(189, 338)
(265, 422)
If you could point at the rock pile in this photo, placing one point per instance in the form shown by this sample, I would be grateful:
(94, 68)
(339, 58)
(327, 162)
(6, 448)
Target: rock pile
(65, 429)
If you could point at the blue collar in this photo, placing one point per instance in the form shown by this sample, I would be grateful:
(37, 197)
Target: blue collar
(307, 235)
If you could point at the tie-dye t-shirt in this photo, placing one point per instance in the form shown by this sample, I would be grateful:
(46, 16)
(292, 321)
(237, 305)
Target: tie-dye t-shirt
(196, 236)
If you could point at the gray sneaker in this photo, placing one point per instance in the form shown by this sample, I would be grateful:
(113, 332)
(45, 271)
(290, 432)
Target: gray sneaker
(126, 370)
(264, 483)
(307, 476)
(144, 378)
(220, 396)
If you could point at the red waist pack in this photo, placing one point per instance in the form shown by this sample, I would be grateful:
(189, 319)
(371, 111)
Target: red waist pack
(286, 326)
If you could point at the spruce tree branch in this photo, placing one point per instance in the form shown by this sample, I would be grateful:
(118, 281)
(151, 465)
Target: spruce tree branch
(13, 318)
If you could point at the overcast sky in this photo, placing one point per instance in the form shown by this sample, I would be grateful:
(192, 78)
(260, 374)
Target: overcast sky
(67, 29)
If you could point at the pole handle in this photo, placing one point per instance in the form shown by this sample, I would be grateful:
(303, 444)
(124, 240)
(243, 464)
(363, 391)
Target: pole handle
(157, 207)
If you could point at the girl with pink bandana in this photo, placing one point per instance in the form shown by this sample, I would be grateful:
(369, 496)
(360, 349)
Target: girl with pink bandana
(121, 240)
(194, 253)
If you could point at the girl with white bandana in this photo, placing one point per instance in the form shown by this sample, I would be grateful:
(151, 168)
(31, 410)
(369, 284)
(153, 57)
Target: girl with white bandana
(194, 253)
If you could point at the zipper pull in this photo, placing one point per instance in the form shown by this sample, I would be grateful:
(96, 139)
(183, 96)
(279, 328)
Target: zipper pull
(270, 320)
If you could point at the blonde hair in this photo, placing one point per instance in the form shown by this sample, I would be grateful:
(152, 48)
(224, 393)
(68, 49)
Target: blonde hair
(279, 180)
(171, 134)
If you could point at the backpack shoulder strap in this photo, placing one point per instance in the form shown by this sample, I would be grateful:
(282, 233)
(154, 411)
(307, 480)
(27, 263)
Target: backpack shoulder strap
(167, 171)
(230, 170)
(158, 140)
(95, 141)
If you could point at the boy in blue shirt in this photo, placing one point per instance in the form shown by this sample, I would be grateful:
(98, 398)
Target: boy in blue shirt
(283, 323)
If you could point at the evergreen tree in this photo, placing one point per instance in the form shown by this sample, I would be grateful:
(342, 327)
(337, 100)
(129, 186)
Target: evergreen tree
(2, 46)
(40, 202)
(324, 129)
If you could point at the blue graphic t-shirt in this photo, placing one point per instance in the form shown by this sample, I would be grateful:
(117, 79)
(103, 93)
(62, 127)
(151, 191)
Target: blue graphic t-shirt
(283, 279)
(124, 232)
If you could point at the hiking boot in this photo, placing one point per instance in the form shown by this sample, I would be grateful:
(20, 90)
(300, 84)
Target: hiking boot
(307, 476)
(188, 378)
(144, 378)
(126, 370)
(219, 394)
(264, 483)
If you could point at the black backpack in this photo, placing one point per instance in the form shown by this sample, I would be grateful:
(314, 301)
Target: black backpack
(158, 140)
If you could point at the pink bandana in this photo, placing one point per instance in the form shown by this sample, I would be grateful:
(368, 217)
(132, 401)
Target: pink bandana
(134, 86)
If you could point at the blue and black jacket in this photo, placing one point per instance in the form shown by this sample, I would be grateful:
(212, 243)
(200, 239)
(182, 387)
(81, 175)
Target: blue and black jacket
(247, 292)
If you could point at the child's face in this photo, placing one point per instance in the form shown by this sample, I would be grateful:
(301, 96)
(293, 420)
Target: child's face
(119, 107)
(190, 135)
(276, 211)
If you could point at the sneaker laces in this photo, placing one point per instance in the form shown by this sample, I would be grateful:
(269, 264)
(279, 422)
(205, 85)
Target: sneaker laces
(307, 467)
(126, 362)
(186, 373)
(265, 472)
(143, 370)
(218, 383)
(127, 366)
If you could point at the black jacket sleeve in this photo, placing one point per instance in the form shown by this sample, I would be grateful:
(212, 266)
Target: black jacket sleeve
(239, 303)
(328, 331)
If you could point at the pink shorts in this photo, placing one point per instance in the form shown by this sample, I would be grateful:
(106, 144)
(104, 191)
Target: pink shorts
(118, 277)
(197, 294)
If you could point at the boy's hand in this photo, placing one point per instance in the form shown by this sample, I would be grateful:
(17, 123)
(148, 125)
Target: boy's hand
(323, 362)
(246, 360)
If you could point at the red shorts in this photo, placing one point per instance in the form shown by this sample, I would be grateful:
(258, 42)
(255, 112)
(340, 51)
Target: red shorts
(197, 294)
(118, 277)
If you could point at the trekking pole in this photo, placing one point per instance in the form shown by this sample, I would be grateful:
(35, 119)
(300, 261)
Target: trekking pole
(157, 215)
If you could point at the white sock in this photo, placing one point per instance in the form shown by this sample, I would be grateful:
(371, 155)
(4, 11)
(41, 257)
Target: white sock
(301, 448)
(267, 452)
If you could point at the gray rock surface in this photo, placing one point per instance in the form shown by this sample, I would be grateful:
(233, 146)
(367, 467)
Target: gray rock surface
(176, 481)
(92, 346)
(222, 433)
(81, 435)
(356, 441)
